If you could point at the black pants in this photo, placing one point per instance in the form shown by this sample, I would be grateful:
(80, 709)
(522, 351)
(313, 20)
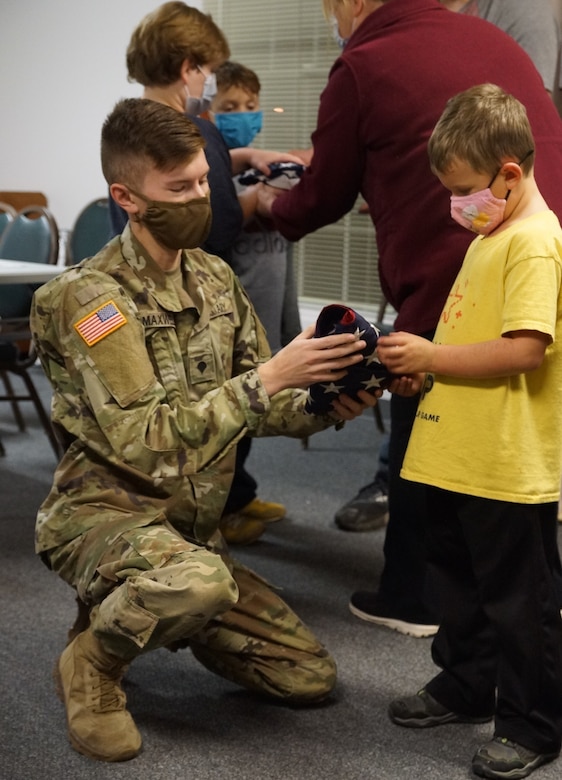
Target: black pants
(244, 486)
(495, 565)
(403, 586)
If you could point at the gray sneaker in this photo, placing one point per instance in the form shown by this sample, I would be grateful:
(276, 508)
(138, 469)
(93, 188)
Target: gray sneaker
(503, 758)
(368, 511)
(422, 711)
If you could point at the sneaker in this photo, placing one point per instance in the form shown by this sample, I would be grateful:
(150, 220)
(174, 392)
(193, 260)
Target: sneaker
(267, 511)
(236, 528)
(89, 683)
(503, 758)
(364, 604)
(422, 711)
(368, 511)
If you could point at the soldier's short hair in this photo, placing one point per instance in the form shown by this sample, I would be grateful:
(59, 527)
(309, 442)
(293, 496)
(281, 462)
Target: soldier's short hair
(482, 126)
(233, 74)
(139, 134)
(168, 36)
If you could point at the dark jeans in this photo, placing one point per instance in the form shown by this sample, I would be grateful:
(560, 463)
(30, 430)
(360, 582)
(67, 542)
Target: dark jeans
(495, 566)
(244, 486)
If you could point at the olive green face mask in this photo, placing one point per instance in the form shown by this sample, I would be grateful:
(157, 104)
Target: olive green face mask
(183, 225)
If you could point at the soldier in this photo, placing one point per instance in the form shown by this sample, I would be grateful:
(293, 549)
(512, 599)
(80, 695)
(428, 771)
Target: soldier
(159, 366)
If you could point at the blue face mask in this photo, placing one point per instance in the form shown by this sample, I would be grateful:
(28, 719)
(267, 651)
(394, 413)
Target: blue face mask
(239, 128)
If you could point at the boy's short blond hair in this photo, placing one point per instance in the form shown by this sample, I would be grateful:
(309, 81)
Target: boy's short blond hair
(168, 36)
(482, 126)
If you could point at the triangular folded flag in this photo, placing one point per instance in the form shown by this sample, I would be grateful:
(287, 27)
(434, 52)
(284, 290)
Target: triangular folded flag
(367, 375)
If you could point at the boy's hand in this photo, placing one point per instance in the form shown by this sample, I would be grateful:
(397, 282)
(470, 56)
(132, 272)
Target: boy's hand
(407, 386)
(403, 353)
(248, 157)
(306, 360)
(262, 158)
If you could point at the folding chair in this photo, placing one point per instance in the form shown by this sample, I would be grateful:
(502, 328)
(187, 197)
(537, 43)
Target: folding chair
(33, 236)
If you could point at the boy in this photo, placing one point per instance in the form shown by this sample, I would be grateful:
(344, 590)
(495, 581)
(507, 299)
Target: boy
(159, 366)
(260, 259)
(487, 442)
(260, 255)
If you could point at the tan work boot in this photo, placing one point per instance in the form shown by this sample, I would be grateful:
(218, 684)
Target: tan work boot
(248, 524)
(89, 684)
(266, 511)
(238, 529)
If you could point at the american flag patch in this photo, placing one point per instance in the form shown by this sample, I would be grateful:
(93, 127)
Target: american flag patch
(100, 323)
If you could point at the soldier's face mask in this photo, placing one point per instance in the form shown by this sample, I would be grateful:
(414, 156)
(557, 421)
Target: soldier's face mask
(183, 225)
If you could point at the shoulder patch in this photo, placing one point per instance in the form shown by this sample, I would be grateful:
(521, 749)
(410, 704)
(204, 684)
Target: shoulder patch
(100, 323)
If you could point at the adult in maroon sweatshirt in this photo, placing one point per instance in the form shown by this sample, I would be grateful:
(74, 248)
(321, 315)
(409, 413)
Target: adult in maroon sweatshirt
(402, 61)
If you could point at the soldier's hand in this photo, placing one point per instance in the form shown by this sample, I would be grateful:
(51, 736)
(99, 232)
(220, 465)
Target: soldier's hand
(307, 360)
(346, 408)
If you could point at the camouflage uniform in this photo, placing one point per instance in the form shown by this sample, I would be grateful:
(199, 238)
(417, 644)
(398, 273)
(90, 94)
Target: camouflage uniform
(154, 382)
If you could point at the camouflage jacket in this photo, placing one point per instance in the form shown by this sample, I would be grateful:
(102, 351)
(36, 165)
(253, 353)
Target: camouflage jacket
(154, 383)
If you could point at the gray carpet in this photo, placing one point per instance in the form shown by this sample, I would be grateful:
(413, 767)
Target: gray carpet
(197, 726)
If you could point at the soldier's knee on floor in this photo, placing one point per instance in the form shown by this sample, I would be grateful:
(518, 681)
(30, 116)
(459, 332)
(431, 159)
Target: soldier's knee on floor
(314, 681)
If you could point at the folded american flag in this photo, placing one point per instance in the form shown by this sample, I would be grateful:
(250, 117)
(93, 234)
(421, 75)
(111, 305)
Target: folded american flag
(283, 175)
(367, 375)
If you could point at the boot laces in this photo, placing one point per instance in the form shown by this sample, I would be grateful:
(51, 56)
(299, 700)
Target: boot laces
(106, 692)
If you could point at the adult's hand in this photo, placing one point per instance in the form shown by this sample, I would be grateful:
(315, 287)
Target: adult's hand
(346, 408)
(306, 360)
(266, 198)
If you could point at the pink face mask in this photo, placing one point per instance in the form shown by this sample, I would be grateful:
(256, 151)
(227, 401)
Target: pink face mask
(480, 211)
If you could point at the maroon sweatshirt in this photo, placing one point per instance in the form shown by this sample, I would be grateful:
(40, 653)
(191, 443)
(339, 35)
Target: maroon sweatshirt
(383, 98)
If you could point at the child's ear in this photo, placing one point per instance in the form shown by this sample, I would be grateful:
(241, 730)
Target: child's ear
(512, 173)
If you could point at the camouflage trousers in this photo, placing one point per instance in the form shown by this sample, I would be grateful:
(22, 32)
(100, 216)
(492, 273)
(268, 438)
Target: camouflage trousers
(149, 587)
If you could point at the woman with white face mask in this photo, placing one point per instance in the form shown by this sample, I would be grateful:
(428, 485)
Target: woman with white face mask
(173, 53)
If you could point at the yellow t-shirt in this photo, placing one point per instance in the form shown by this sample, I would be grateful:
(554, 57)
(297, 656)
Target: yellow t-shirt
(498, 438)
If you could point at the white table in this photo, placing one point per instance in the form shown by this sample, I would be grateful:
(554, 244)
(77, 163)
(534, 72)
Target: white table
(24, 272)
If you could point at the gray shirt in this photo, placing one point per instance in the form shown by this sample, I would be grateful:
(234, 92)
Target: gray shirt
(532, 24)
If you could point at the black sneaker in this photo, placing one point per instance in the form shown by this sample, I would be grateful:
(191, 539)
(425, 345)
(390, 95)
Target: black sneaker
(364, 604)
(503, 758)
(368, 511)
(421, 711)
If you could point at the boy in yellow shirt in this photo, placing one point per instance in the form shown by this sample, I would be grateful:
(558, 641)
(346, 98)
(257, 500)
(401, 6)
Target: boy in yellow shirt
(487, 441)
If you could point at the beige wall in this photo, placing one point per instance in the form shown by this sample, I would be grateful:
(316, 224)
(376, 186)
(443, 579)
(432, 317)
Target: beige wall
(62, 69)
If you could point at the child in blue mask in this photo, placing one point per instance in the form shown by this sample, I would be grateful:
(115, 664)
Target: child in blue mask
(260, 254)
(236, 106)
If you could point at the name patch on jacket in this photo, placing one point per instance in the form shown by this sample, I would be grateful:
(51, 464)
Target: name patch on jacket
(100, 323)
(157, 319)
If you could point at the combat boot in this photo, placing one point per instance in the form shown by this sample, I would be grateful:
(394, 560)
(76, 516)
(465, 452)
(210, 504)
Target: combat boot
(89, 684)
